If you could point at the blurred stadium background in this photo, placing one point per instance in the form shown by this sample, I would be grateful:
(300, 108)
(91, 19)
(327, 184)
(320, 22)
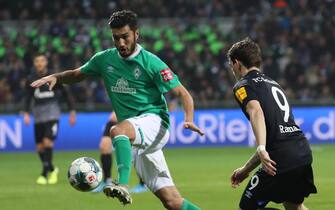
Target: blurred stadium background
(192, 36)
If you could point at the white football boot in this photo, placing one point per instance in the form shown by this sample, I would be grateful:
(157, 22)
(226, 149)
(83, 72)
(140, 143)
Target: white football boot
(121, 192)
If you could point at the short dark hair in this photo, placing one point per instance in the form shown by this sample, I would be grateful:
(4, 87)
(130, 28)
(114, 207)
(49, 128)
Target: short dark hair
(122, 18)
(246, 51)
(38, 54)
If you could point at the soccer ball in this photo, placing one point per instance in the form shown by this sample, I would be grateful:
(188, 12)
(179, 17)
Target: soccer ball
(85, 174)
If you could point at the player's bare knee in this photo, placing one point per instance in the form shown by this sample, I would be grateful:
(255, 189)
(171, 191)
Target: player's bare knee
(105, 145)
(48, 142)
(104, 149)
(39, 147)
(117, 130)
(170, 198)
(123, 128)
(292, 206)
(302, 207)
(173, 203)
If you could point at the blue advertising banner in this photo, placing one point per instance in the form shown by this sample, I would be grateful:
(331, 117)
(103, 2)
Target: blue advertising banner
(222, 127)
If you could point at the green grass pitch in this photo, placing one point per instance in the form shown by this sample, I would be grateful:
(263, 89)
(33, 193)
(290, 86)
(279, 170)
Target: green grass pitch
(201, 175)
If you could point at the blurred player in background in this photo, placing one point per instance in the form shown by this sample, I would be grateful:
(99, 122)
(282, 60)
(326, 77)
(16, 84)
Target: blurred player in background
(106, 158)
(135, 80)
(286, 175)
(46, 111)
(105, 146)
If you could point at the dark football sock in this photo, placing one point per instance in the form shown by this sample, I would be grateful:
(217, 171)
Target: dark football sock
(141, 182)
(48, 158)
(41, 154)
(106, 161)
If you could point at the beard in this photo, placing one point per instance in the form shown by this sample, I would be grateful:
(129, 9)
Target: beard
(127, 51)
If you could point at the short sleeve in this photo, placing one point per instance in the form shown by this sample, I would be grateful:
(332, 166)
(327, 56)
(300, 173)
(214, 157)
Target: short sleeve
(164, 78)
(244, 94)
(91, 67)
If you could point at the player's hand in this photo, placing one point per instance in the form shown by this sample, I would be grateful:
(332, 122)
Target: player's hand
(26, 119)
(50, 80)
(267, 164)
(193, 127)
(72, 117)
(238, 176)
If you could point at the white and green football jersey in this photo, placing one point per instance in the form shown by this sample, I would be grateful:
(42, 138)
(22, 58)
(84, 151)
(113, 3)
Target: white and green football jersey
(136, 84)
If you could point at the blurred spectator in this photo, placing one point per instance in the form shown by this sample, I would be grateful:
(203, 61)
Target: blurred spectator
(297, 38)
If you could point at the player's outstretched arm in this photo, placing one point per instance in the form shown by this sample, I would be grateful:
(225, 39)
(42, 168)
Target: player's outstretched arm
(257, 121)
(188, 106)
(66, 77)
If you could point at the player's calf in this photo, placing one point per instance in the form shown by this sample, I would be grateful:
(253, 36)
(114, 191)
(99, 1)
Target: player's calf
(172, 200)
(173, 204)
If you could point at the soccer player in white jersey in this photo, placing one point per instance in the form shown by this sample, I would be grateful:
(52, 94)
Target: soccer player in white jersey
(135, 80)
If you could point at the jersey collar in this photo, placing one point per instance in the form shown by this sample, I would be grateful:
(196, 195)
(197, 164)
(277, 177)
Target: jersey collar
(252, 71)
(137, 51)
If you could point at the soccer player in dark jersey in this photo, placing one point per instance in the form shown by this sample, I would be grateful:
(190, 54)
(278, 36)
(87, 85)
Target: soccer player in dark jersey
(46, 111)
(286, 174)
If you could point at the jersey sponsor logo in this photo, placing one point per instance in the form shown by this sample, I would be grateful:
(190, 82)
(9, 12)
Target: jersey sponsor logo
(44, 94)
(122, 87)
(137, 72)
(167, 74)
(241, 94)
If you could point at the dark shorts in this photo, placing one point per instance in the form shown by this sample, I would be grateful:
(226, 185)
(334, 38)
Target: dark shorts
(107, 128)
(292, 186)
(46, 130)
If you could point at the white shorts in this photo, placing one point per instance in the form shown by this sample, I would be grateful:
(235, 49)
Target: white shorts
(148, 157)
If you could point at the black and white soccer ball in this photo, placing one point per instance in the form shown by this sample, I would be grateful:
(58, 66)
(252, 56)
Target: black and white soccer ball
(85, 174)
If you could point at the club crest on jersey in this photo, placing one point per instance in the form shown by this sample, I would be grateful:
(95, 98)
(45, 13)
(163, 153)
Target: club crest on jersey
(122, 86)
(241, 94)
(137, 72)
(167, 74)
(110, 69)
